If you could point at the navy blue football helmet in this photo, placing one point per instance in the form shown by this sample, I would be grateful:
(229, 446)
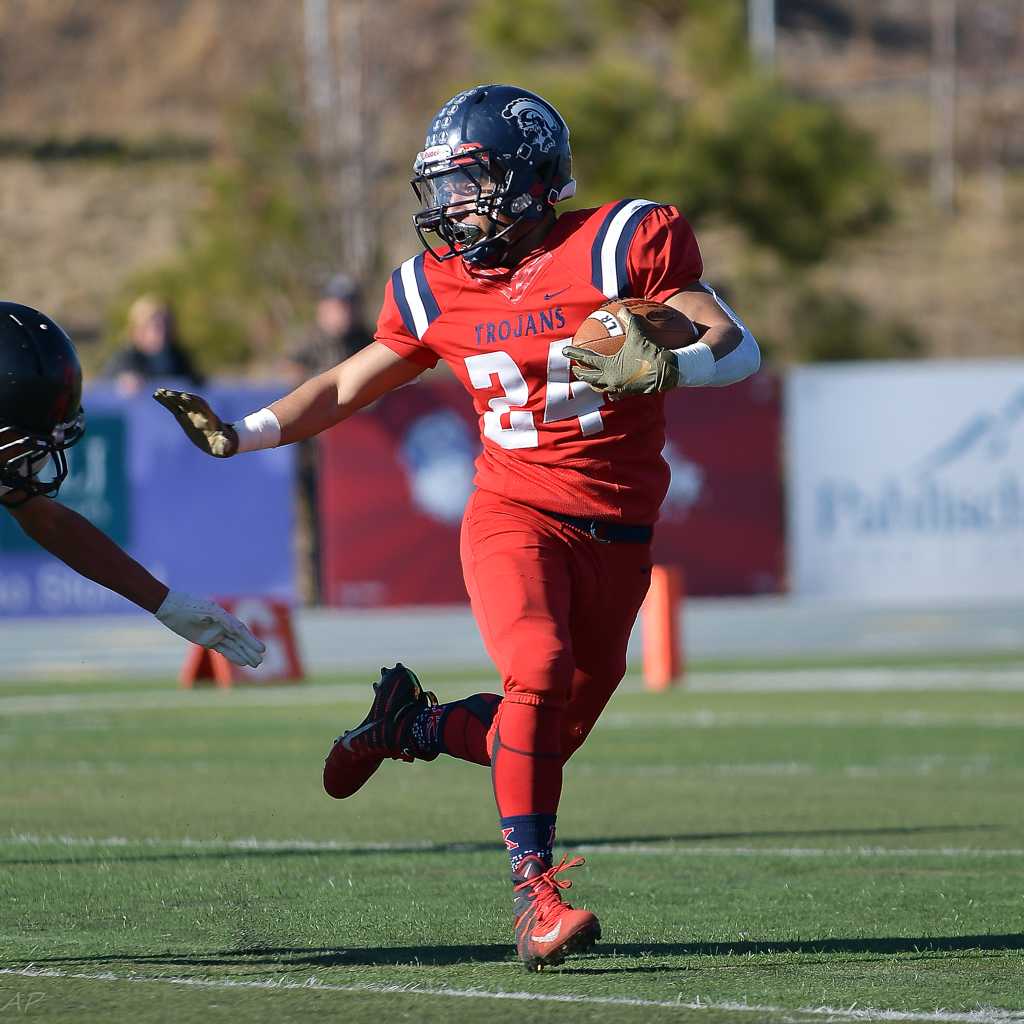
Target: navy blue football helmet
(491, 150)
(40, 401)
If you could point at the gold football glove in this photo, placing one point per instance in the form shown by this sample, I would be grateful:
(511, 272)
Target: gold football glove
(640, 367)
(204, 428)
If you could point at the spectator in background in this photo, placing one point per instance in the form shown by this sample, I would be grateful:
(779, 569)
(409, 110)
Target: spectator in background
(339, 331)
(153, 349)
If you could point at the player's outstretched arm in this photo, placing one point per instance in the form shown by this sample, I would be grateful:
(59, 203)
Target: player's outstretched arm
(91, 553)
(320, 403)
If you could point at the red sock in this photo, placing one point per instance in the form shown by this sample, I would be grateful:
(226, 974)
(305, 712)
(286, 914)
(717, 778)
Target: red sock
(526, 756)
(465, 725)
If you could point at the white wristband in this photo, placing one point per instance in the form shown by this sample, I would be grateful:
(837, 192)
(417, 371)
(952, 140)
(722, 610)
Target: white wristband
(696, 364)
(258, 430)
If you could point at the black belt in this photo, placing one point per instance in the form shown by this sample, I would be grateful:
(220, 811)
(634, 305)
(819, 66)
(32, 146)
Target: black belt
(604, 531)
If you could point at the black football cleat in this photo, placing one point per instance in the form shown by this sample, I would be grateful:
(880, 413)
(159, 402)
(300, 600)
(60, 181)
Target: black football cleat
(385, 732)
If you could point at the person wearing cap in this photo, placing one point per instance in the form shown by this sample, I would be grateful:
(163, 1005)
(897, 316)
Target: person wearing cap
(337, 333)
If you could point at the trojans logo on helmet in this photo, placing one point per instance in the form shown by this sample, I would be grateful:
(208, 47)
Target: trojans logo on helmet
(535, 121)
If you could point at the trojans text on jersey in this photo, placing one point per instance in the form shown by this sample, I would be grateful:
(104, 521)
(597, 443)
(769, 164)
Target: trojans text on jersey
(490, 332)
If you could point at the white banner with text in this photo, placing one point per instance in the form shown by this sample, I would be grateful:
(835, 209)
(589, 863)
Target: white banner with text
(906, 481)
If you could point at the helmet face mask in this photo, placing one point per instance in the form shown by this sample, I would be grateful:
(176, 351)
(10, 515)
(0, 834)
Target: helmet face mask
(446, 182)
(496, 152)
(450, 188)
(23, 458)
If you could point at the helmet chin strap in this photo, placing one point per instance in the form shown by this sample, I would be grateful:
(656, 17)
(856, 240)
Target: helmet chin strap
(488, 255)
(490, 248)
(493, 253)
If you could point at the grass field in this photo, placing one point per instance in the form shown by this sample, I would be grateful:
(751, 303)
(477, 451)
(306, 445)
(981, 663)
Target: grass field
(755, 853)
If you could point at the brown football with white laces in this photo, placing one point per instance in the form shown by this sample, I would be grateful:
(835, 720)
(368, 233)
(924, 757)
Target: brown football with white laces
(603, 331)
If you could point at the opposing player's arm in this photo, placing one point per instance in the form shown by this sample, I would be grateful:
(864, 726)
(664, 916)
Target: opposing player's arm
(91, 553)
(315, 406)
(87, 550)
(726, 351)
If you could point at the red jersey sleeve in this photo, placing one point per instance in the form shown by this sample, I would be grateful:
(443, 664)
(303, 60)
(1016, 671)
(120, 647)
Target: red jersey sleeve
(393, 332)
(664, 256)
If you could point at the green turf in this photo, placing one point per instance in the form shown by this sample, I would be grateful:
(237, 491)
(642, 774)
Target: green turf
(789, 850)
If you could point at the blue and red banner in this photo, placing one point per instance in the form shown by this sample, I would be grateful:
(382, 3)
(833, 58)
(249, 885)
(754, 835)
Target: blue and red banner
(395, 478)
(203, 525)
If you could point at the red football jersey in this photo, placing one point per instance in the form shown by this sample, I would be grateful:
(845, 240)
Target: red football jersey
(549, 440)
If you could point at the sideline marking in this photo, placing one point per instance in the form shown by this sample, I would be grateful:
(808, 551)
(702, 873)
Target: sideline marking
(341, 846)
(317, 695)
(986, 1016)
(705, 718)
(892, 679)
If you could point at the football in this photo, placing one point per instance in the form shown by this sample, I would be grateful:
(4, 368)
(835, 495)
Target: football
(602, 331)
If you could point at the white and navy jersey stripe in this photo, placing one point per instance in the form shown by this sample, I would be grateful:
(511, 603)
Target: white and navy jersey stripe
(609, 273)
(413, 296)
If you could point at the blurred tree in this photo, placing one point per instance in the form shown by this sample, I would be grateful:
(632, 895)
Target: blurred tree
(240, 280)
(663, 101)
(833, 327)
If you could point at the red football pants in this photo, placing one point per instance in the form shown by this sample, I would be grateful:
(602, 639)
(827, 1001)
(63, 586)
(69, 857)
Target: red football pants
(555, 609)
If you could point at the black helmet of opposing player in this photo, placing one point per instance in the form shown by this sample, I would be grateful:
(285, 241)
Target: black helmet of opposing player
(492, 150)
(40, 401)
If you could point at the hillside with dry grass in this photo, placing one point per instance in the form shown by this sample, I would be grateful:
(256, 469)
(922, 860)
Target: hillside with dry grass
(110, 113)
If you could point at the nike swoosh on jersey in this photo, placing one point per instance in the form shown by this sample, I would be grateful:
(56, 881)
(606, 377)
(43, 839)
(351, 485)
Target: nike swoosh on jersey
(551, 935)
(548, 296)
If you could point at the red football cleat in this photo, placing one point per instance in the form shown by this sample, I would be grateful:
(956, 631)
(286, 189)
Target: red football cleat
(546, 926)
(384, 732)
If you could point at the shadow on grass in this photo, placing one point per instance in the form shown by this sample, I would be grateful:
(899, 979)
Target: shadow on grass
(295, 957)
(299, 849)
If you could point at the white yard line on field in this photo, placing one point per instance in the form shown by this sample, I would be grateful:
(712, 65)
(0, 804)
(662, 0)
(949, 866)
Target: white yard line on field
(699, 718)
(966, 766)
(280, 984)
(668, 849)
(881, 678)
(1001, 678)
(184, 700)
(705, 718)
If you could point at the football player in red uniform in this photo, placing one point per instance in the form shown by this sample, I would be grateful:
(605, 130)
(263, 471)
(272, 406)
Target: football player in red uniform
(556, 538)
(40, 418)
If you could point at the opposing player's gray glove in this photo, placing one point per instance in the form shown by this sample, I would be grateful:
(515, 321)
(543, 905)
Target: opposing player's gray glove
(206, 623)
(640, 367)
(205, 429)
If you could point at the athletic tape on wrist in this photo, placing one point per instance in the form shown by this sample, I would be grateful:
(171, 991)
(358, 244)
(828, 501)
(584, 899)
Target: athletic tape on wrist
(257, 431)
(696, 364)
